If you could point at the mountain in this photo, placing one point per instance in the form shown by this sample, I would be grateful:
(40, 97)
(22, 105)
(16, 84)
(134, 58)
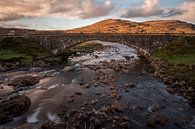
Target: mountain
(125, 26)
(116, 26)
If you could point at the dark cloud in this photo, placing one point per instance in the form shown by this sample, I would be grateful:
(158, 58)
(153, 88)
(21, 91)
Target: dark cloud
(172, 12)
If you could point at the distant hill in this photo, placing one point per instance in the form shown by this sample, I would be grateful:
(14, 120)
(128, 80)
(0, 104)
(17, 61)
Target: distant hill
(125, 26)
(116, 26)
(20, 31)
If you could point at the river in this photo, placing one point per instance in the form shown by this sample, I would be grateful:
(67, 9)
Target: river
(147, 96)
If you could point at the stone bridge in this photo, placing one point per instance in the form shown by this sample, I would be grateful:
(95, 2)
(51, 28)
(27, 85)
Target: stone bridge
(145, 43)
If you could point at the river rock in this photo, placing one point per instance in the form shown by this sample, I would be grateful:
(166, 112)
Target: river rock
(48, 125)
(125, 118)
(193, 66)
(93, 102)
(24, 81)
(87, 86)
(127, 57)
(97, 122)
(2, 79)
(13, 107)
(171, 90)
(5, 90)
(96, 56)
(156, 119)
(70, 100)
(78, 93)
(118, 107)
(182, 83)
(4, 118)
(125, 125)
(1, 68)
(81, 81)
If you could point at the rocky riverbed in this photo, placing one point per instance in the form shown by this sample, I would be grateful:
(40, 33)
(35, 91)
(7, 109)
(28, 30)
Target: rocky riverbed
(182, 85)
(107, 89)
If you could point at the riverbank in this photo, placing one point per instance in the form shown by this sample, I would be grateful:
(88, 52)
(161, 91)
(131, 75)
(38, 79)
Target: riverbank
(174, 64)
(17, 77)
(23, 53)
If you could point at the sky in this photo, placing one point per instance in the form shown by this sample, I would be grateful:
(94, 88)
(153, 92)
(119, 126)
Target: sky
(68, 14)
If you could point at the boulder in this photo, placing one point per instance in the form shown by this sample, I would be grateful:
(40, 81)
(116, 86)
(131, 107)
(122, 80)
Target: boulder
(4, 118)
(119, 107)
(96, 56)
(78, 93)
(14, 106)
(171, 90)
(156, 119)
(125, 125)
(5, 90)
(129, 85)
(24, 81)
(48, 125)
(193, 66)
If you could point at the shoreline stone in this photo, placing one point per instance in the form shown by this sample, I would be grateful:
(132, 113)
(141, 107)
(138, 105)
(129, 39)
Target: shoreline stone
(24, 81)
(180, 86)
(12, 107)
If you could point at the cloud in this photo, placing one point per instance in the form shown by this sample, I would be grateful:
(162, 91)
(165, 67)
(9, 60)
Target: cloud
(151, 8)
(148, 8)
(188, 8)
(17, 9)
(92, 9)
(171, 12)
(13, 10)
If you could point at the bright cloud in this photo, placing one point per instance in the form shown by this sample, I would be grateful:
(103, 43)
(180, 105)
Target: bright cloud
(188, 9)
(151, 8)
(49, 13)
(17, 9)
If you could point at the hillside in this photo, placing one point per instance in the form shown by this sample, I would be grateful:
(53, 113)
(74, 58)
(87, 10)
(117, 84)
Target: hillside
(125, 26)
(117, 26)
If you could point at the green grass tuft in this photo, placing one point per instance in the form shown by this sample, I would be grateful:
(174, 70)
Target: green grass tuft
(179, 51)
(181, 54)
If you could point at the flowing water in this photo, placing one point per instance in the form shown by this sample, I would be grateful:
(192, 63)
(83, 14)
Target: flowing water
(52, 92)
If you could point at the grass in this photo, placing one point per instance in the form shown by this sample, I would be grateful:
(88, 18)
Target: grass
(9, 56)
(180, 51)
(181, 54)
(24, 46)
(183, 59)
(20, 49)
